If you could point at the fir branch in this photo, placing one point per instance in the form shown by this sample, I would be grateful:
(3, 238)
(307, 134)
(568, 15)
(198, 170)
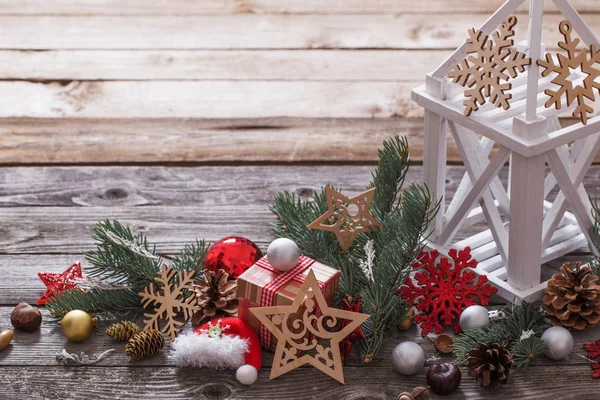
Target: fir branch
(121, 256)
(525, 350)
(191, 257)
(388, 178)
(405, 220)
(123, 264)
(595, 237)
(506, 331)
(94, 301)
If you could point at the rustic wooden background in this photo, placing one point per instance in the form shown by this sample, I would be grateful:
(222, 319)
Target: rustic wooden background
(183, 118)
(105, 81)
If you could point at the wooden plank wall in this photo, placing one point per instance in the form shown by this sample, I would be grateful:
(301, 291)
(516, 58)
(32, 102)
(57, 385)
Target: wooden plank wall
(199, 81)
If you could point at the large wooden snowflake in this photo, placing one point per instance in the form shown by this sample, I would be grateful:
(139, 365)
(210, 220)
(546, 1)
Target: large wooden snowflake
(169, 301)
(564, 69)
(486, 73)
(444, 290)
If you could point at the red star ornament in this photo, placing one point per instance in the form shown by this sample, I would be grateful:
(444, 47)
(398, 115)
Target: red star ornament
(356, 336)
(58, 283)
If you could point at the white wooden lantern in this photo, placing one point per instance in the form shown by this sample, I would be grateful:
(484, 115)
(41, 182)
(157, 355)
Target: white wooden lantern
(524, 230)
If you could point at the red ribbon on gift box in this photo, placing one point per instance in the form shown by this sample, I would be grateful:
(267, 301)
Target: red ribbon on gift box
(283, 278)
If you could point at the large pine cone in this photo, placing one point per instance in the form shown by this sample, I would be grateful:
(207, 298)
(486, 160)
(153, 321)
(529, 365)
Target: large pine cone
(216, 297)
(572, 298)
(122, 331)
(491, 364)
(144, 344)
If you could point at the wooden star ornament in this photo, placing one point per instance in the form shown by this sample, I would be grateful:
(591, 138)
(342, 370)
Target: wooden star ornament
(310, 339)
(59, 282)
(347, 217)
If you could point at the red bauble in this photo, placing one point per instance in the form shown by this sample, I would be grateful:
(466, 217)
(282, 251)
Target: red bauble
(233, 254)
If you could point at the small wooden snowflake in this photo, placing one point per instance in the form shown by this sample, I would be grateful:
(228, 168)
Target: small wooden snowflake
(582, 61)
(486, 73)
(169, 301)
(445, 289)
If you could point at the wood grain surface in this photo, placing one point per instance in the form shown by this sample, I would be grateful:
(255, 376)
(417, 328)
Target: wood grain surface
(429, 30)
(183, 118)
(203, 7)
(47, 214)
(252, 60)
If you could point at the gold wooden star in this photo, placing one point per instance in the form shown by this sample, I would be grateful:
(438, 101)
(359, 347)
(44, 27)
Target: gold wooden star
(347, 217)
(310, 339)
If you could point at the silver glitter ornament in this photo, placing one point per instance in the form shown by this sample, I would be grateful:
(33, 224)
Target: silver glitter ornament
(283, 254)
(474, 317)
(559, 341)
(408, 358)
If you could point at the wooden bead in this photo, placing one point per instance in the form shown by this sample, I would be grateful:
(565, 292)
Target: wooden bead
(5, 338)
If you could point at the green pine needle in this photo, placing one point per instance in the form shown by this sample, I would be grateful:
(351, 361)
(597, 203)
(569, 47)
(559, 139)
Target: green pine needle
(405, 216)
(507, 332)
(191, 257)
(122, 265)
(525, 350)
(595, 237)
(95, 301)
(122, 257)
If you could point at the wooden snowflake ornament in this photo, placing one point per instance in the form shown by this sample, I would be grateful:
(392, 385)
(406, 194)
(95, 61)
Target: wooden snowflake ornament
(169, 301)
(564, 70)
(494, 62)
(294, 348)
(347, 217)
(445, 289)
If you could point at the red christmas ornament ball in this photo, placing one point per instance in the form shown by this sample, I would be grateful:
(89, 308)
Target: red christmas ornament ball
(233, 254)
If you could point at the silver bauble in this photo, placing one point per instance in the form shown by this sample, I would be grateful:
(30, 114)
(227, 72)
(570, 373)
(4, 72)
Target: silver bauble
(283, 254)
(474, 317)
(559, 341)
(408, 358)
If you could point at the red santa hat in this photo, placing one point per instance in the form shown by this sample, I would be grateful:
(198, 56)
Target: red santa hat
(219, 344)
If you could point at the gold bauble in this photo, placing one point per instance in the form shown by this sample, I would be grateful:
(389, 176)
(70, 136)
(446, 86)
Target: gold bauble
(77, 325)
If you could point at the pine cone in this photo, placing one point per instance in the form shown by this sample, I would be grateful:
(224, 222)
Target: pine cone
(490, 363)
(215, 297)
(144, 344)
(122, 331)
(572, 297)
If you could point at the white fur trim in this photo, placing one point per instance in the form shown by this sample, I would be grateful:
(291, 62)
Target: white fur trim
(246, 374)
(203, 351)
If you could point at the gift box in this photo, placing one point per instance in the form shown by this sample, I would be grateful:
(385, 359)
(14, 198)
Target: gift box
(263, 286)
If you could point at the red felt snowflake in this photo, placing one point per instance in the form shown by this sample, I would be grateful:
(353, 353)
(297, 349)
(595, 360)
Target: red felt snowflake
(596, 369)
(444, 290)
(58, 283)
(593, 350)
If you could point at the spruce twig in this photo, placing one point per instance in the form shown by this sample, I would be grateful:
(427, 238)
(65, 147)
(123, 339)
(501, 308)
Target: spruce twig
(121, 256)
(405, 216)
(595, 237)
(507, 332)
(191, 257)
(122, 265)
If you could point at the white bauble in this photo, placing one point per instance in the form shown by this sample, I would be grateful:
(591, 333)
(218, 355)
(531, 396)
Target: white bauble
(246, 374)
(559, 341)
(283, 254)
(408, 358)
(474, 317)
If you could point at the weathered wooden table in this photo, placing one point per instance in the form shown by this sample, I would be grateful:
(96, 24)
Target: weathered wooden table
(45, 222)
